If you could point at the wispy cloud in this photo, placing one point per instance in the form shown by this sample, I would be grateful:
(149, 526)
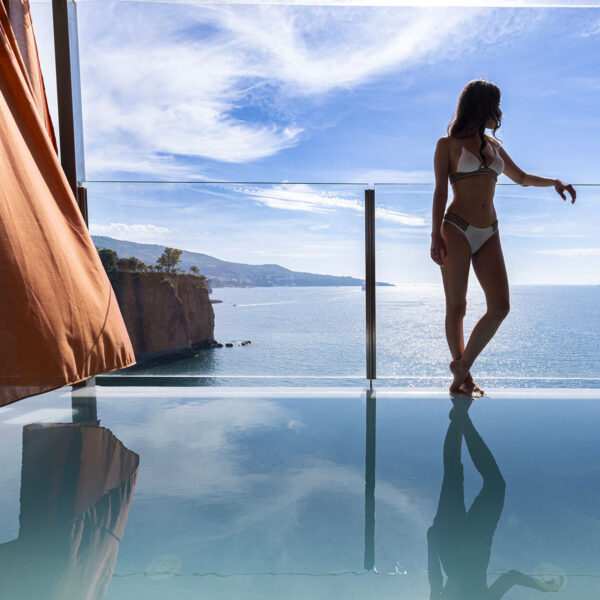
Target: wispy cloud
(591, 29)
(303, 197)
(572, 252)
(388, 214)
(144, 166)
(382, 3)
(216, 82)
(373, 176)
(318, 49)
(143, 233)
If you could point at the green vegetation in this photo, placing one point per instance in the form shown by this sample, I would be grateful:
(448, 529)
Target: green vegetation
(109, 259)
(132, 264)
(169, 258)
(166, 263)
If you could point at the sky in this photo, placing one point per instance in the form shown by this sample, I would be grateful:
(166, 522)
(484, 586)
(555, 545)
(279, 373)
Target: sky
(307, 95)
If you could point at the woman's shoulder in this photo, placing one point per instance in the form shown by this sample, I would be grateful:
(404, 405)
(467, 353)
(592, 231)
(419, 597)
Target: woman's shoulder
(448, 142)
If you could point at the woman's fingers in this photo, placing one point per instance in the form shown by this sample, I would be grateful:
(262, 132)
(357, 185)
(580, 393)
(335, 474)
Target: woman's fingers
(561, 187)
(436, 255)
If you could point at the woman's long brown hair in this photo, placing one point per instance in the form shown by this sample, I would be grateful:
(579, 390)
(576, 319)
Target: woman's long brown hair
(479, 100)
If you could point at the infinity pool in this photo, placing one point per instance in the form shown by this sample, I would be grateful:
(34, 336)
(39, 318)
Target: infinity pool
(259, 493)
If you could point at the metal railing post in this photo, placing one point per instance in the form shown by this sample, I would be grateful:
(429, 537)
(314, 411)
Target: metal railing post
(369, 559)
(83, 205)
(64, 91)
(67, 127)
(370, 281)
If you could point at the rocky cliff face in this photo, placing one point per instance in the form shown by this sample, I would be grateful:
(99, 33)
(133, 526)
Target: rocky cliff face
(167, 316)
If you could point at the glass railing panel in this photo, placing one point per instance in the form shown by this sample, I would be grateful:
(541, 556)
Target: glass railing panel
(284, 265)
(552, 258)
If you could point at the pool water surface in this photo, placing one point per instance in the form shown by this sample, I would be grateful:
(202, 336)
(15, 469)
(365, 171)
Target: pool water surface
(259, 493)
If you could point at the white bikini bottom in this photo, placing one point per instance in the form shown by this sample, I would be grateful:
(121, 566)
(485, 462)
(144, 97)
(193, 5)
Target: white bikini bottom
(476, 236)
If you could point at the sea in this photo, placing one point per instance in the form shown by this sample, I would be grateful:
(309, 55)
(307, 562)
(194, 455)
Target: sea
(317, 336)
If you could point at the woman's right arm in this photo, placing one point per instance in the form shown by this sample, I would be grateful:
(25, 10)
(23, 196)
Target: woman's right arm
(441, 160)
(525, 179)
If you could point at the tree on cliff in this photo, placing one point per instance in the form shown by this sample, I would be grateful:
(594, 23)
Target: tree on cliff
(109, 259)
(196, 273)
(132, 264)
(169, 258)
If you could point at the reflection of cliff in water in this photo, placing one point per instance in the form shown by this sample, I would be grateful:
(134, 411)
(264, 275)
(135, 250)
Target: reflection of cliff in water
(77, 483)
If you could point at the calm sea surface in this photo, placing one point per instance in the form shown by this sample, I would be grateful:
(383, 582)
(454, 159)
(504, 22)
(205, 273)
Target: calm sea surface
(550, 338)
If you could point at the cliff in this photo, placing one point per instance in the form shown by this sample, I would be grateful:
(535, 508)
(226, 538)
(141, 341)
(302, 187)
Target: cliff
(167, 316)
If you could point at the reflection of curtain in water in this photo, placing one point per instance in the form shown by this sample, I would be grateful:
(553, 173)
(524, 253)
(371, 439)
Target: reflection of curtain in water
(59, 320)
(77, 483)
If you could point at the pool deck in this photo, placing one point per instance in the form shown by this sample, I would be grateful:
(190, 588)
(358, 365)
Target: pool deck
(312, 492)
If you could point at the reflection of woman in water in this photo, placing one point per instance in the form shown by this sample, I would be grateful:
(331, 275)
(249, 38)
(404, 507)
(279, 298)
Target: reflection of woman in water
(468, 232)
(460, 541)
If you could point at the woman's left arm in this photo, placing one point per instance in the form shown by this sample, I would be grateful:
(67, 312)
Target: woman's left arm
(519, 176)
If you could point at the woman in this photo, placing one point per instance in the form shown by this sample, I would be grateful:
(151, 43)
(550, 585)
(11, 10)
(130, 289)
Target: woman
(468, 231)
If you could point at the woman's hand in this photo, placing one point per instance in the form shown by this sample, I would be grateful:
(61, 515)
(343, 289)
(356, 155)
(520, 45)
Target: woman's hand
(561, 186)
(438, 248)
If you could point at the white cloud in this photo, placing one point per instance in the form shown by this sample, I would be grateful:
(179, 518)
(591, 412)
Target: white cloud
(147, 233)
(373, 176)
(591, 29)
(572, 252)
(303, 197)
(128, 160)
(315, 50)
(388, 214)
(382, 3)
(164, 80)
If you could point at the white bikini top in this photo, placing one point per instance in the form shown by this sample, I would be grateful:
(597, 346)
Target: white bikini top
(469, 165)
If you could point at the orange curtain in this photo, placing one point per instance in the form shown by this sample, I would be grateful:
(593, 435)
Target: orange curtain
(19, 15)
(59, 319)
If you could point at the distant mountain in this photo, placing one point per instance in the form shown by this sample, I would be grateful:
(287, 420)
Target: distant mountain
(222, 273)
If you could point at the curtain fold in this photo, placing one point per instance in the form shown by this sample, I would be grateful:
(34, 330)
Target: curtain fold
(59, 319)
(19, 15)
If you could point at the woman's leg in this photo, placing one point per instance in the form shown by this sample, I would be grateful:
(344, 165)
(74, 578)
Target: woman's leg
(486, 509)
(488, 264)
(455, 275)
(451, 505)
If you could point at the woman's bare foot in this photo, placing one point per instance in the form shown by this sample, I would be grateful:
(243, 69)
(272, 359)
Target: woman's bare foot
(460, 405)
(460, 373)
(468, 386)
